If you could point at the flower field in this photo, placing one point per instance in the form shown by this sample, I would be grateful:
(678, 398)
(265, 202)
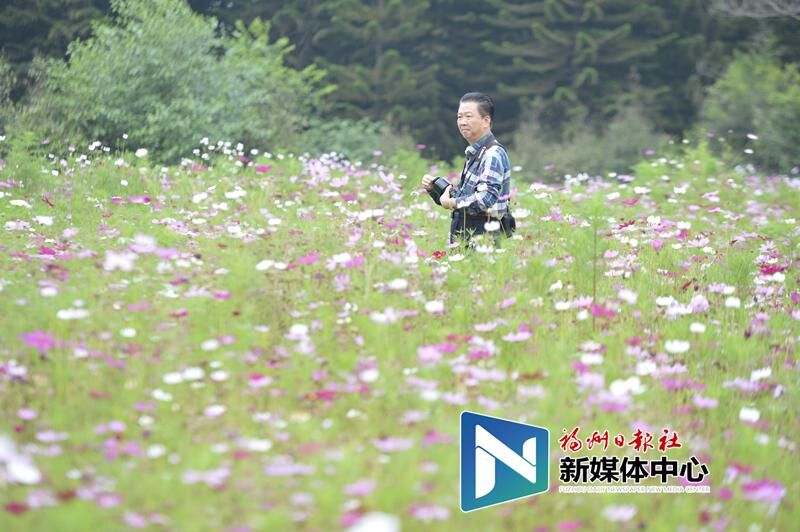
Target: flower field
(255, 341)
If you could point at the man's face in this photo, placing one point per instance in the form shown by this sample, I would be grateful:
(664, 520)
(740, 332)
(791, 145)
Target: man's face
(471, 124)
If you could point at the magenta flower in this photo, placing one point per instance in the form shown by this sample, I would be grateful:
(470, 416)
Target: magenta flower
(309, 259)
(39, 340)
(764, 490)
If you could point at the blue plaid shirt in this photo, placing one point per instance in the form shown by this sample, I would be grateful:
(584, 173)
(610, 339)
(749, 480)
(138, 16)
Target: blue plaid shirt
(487, 183)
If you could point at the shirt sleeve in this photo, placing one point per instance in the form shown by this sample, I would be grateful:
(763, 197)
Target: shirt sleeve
(489, 184)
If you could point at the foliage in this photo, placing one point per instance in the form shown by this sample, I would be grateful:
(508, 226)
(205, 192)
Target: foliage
(613, 148)
(161, 76)
(43, 28)
(757, 97)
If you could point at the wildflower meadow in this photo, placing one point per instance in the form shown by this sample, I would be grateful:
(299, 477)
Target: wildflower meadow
(255, 341)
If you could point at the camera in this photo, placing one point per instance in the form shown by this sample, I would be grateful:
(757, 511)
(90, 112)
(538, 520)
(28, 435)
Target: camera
(438, 187)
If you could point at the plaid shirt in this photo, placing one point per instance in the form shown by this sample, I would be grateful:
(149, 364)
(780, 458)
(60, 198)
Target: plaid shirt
(487, 182)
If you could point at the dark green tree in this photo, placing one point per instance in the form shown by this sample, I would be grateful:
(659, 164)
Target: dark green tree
(575, 55)
(43, 27)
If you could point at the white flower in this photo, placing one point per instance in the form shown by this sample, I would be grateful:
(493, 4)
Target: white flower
(369, 375)
(265, 264)
(556, 286)
(684, 225)
(197, 198)
(376, 522)
(733, 302)
(128, 332)
(44, 220)
(214, 410)
(628, 296)
(622, 512)
(255, 445)
(676, 346)
(193, 374)
(591, 359)
(72, 314)
(455, 258)
(697, 328)
(141, 152)
(492, 226)
(219, 375)
(435, 306)
(758, 374)
(156, 451)
(631, 385)
(238, 193)
(397, 284)
(665, 301)
(341, 258)
(645, 367)
(160, 395)
(19, 468)
(210, 345)
(563, 305)
(122, 261)
(749, 414)
(172, 378)
(298, 329)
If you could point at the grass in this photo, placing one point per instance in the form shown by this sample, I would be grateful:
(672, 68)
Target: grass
(349, 394)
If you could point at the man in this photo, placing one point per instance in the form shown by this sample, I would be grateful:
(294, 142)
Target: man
(480, 200)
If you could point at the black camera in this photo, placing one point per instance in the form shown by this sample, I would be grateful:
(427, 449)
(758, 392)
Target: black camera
(438, 187)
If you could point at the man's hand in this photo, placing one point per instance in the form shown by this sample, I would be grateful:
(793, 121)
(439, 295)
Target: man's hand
(446, 201)
(427, 181)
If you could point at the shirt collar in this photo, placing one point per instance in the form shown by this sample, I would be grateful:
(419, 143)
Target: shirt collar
(473, 149)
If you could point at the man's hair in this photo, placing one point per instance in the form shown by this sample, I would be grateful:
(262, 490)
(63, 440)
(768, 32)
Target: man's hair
(484, 101)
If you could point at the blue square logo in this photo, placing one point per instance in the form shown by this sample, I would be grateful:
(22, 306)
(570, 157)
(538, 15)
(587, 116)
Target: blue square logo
(501, 460)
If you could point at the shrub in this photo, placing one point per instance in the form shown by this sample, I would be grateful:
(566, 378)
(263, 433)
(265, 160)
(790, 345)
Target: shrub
(614, 148)
(159, 73)
(757, 97)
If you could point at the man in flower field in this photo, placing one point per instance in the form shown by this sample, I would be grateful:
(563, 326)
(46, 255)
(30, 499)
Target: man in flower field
(479, 202)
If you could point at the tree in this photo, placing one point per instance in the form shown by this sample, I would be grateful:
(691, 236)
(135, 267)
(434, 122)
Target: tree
(575, 55)
(43, 27)
(758, 8)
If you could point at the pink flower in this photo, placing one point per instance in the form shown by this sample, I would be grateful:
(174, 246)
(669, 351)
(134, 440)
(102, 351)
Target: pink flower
(39, 340)
(429, 512)
(362, 488)
(260, 169)
(699, 303)
(354, 262)
(393, 444)
(432, 437)
(705, 402)
(257, 380)
(657, 244)
(309, 259)
(763, 490)
(601, 311)
(429, 354)
(520, 336)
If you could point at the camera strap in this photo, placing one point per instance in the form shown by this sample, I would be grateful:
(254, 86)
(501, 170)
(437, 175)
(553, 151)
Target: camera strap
(477, 157)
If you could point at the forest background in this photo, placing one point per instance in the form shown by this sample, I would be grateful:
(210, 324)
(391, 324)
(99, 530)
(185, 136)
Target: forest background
(580, 86)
